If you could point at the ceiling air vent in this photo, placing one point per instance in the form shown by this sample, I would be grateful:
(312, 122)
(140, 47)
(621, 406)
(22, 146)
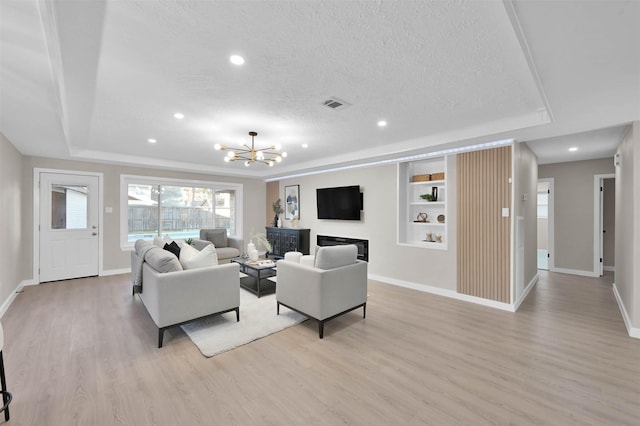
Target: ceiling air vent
(335, 103)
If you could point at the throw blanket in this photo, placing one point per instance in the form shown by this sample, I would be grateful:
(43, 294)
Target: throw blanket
(137, 273)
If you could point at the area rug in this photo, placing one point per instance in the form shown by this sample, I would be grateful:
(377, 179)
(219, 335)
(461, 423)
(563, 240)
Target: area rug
(220, 333)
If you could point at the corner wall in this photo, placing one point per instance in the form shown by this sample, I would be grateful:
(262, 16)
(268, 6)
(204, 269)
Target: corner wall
(525, 182)
(13, 265)
(627, 244)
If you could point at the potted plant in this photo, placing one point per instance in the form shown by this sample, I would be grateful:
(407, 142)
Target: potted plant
(261, 239)
(427, 197)
(277, 210)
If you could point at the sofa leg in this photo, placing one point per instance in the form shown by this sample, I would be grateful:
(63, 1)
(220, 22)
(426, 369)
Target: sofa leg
(277, 308)
(238, 314)
(160, 336)
(321, 329)
(364, 310)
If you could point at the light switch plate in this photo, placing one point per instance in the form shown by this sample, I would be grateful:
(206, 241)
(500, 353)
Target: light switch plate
(505, 212)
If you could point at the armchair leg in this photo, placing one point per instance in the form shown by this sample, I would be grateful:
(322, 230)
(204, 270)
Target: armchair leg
(364, 310)
(6, 396)
(238, 314)
(277, 308)
(321, 329)
(160, 336)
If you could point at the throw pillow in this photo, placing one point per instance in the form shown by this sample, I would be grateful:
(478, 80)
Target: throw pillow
(203, 259)
(186, 253)
(161, 241)
(173, 248)
(218, 237)
(140, 244)
(336, 256)
(162, 260)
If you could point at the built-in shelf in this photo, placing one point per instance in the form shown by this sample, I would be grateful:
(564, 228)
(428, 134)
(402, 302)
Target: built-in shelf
(411, 231)
(427, 203)
(428, 183)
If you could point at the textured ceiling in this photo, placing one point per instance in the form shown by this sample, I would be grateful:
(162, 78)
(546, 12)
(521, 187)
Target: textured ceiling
(94, 80)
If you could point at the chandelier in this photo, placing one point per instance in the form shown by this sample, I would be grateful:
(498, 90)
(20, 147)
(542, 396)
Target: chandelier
(267, 156)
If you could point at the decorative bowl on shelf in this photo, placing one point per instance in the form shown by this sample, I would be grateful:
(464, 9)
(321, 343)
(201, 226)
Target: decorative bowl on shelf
(440, 218)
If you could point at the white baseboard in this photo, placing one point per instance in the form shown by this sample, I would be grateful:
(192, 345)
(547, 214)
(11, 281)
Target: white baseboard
(115, 272)
(609, 268)
(12, 297)
(575, 272)
(445, 292)
(526, 291)
(633, 331)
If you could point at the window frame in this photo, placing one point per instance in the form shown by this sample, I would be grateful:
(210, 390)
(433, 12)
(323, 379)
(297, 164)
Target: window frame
(126, 180)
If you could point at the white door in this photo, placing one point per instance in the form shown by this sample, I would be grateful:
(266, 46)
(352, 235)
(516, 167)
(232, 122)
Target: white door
(69, 243)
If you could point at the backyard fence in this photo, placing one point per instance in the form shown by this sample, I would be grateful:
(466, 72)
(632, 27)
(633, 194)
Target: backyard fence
(145, 219)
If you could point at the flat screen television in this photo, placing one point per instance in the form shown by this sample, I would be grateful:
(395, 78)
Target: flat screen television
(344, 202)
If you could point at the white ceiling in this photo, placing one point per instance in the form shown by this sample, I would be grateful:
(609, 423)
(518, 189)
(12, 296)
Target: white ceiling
(94, 80)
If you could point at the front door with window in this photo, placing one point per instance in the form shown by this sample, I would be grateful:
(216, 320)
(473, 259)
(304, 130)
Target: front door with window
(69, 243)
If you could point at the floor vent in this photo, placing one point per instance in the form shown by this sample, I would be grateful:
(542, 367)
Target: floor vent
(335, 103)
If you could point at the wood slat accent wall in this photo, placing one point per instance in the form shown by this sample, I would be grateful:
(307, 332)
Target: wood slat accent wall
(273, 193)
(483, 234)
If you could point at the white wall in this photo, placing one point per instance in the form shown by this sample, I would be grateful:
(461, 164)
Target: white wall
(13, 266)
(379, 224)
(526, 182)
(627, 240)
(609, 223)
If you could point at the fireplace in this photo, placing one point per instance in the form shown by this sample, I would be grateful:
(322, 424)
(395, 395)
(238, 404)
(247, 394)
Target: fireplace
(363, 245)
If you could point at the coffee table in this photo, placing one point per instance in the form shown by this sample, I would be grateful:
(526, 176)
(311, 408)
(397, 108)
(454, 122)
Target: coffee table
(257, 281)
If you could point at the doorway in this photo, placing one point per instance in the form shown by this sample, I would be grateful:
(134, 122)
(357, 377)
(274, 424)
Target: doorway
(545, 223)
(604, 224)
(68, 225)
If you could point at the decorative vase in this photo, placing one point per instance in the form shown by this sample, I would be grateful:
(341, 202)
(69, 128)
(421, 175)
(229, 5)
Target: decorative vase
(276, 221)
(253, 255)
(279, 223)
(434, 193)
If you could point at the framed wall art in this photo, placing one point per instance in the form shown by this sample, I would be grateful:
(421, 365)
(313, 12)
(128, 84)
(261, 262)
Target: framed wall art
(292, 202)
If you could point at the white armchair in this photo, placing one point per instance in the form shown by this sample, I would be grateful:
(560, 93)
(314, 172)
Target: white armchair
(335, 285)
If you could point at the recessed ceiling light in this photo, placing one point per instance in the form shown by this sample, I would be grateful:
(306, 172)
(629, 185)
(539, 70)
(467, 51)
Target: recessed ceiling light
(304, 145)
(236, 59)
(382, 123)
(573, 148)
(151, 140)
(179, 115)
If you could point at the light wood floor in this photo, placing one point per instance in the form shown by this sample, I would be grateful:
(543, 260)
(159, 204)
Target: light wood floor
(84, 352)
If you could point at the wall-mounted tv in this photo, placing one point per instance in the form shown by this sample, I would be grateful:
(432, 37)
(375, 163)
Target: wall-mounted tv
(344, 202)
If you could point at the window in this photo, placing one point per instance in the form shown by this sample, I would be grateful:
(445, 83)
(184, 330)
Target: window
(543, 204)
(156, 207)
(69, 207)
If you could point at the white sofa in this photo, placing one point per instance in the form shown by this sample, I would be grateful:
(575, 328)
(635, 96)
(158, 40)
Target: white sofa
(335, 285)
(174, 296)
